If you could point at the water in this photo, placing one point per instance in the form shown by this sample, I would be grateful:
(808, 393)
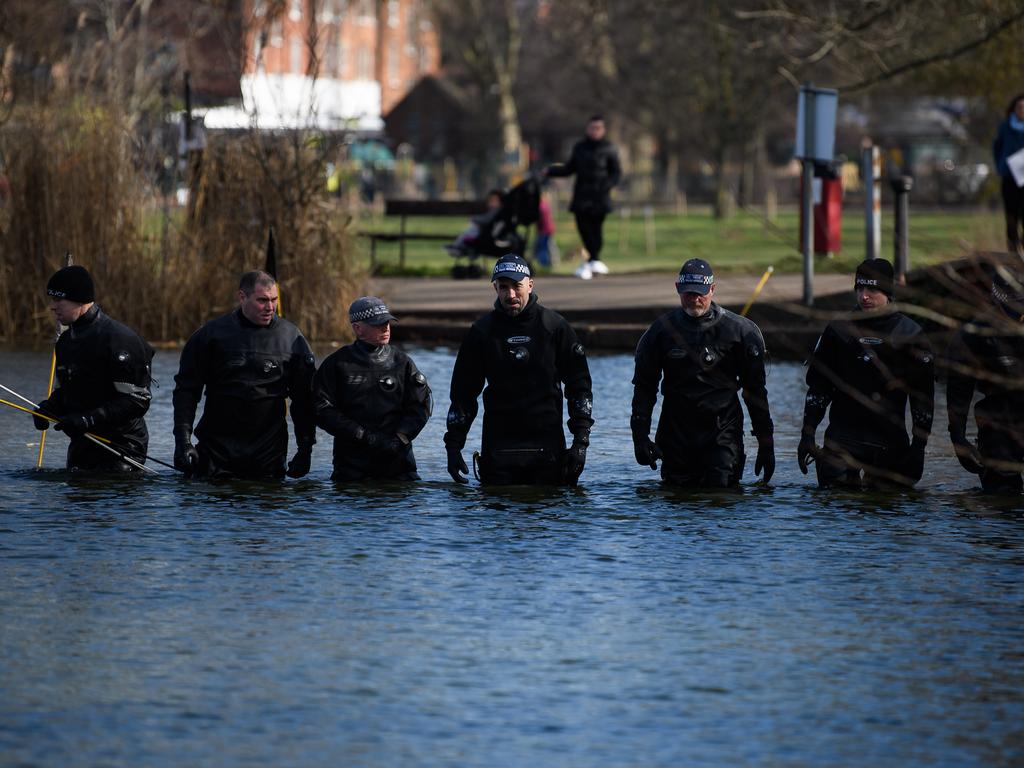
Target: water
(164, 622)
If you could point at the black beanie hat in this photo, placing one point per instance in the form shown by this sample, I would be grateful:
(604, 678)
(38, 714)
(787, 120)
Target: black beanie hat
(72, 283)
(876, 274)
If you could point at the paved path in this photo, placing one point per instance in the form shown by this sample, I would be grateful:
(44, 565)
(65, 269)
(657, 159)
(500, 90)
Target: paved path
(438, 297)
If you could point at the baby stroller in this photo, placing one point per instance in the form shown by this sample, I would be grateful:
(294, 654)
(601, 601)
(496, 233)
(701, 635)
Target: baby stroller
(500, 230)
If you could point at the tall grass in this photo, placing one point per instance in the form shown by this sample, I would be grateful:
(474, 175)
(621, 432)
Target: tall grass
(78, 185)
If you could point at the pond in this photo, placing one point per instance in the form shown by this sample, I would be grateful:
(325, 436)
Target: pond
(159, 621)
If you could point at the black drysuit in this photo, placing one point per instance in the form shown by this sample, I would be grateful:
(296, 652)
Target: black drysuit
(247, 371)
(991, 360)
(365, 396)
(702, 363)
(524, 361)
(867, 367)
(103, 372)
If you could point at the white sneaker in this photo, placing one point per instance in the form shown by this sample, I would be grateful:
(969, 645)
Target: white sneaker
(583, 271)
(598, 267)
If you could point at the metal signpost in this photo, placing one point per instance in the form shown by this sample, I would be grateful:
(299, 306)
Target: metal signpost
(815, 140)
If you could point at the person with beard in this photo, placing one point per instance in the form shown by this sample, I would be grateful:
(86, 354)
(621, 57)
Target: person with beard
(595, 163)
(864, 371)
(103, 378)
(525, 354)
(987, 354)
(248, 362)
(371, 397)
(703, 355)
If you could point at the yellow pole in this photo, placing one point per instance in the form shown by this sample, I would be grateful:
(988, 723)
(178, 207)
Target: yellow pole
(53, 370)
(49, 391)
(757, 290)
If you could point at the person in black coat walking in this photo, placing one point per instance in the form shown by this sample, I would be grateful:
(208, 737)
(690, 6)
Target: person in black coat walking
(595, 163)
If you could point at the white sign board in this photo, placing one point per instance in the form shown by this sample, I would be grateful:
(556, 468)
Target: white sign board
(1015, 163)
(819, 105)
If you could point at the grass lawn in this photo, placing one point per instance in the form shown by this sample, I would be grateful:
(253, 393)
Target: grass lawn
(745, 243)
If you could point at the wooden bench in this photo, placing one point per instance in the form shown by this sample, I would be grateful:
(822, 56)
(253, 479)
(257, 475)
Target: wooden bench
(406, 208)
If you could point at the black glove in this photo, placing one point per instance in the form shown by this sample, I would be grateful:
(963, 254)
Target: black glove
(765, 458)
(38, 421)
(913, 462)
(968, 456)
(457, 465)
(573, 461)
(186, 457)
(75, 425)
(805, 452)
(646, 451)
(299, 465)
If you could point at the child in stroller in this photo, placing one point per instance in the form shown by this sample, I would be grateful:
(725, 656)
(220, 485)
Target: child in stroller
(496, 231)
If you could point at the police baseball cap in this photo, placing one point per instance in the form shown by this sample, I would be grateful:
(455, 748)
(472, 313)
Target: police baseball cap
(512, 266)
(370, 310)
(73, 283)
(876, 274)
(695, 277)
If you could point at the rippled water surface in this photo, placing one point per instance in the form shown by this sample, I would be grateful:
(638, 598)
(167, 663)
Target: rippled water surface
(163, 622)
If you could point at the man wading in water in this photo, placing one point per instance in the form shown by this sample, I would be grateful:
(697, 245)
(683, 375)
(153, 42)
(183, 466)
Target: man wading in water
(524, 353)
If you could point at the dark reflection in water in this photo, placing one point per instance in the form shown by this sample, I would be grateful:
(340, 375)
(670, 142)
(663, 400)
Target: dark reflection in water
(167, 622)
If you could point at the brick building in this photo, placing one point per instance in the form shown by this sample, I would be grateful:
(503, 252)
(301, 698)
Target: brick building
(330, 64)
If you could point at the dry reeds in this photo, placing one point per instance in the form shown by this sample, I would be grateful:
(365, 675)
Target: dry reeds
(76, 186)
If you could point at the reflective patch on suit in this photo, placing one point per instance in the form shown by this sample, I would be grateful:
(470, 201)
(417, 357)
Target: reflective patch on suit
(419, 379)
(754, 351)
(355, 378)
(387, 383)
(311, 361)
(873, 340)
(578, 350)
(132, 390)
(123, 356)
(708, 356)
(455, 417)
(1007, 361)
(920, 417)
(513, 340)
(520, 354)
(269, 365)
(584, 405)
(816, 400)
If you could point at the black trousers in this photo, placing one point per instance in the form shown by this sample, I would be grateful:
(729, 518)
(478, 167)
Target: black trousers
(1013, 207)
(1001, 444)
(849, 463)
(589, 224)
(522, 466)
(708, 456)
